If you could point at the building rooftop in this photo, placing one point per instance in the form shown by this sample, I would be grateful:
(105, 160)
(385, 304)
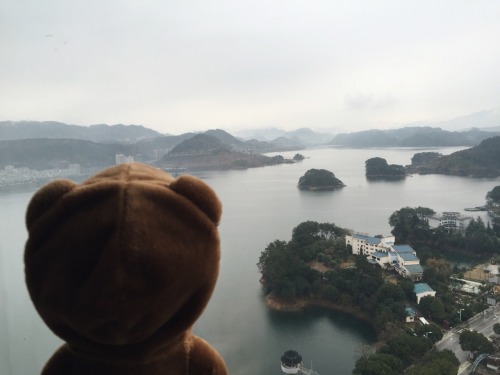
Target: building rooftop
(407, 257)
(422, 288)
(368, 239)
(415, 269)
(380, 254)
(403, 249)
(410, 311)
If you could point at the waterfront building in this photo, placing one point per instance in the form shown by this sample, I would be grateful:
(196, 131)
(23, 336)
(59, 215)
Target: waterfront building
(449, 220)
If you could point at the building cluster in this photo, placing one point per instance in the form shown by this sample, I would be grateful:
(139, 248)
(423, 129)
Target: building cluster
(121, 159)
(382, 251)
(11, 176)
(400, 258)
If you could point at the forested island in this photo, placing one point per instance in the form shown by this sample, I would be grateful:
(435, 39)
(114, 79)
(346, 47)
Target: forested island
(482, 160)
(319, 179)
(377, 168)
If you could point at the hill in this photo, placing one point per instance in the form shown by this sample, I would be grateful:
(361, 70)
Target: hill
(54, 153)
(303, 137)
(207, 152)
(377, 168)
(482, 160)
(12, 130)
(411, 137)
(319, 179)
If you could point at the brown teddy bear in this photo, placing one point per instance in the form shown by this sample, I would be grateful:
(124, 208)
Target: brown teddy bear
(120, 267)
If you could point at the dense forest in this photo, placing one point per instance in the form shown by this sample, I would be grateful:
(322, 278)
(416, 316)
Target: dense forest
(482, 160)
(377, 168)
(319, 179)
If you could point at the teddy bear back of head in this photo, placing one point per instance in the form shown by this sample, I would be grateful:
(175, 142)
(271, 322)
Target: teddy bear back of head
(122, 265)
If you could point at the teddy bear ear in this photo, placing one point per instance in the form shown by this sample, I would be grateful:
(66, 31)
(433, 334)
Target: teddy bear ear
(46, 197)
(200, 194)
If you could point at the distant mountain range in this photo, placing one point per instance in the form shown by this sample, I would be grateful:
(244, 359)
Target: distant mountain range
(303, 137)
(412, 137)
(214, 149)
(10, 130)
(487, 120)
(53, 144)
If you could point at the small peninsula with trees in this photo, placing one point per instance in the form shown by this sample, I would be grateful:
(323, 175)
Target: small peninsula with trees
(316, 267)
(319, 179)
(482, 160)
(377, 168)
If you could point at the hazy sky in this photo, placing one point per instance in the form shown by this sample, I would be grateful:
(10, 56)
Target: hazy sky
(176, 66)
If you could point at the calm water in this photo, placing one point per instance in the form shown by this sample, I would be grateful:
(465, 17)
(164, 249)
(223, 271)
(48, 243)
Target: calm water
(260, 205)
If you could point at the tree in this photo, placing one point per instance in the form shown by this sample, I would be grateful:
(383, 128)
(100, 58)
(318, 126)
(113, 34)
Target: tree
(493, 196)
(407, 348)
(475, 342)
(409, 223)
(438, 363)
(496, 328)
(431, 331)
(433, 307)
(378, 364)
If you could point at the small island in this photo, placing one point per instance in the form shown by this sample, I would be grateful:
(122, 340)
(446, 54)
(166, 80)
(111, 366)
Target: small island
(377, 168)
(319, 179)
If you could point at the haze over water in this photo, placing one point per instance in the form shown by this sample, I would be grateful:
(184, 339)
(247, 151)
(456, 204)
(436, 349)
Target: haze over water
(260, 205)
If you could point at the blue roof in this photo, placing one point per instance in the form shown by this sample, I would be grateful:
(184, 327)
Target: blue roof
(408, 257)
(403, 248)
(368, 239)
(409, 311)
(422, 288)
(380, 254)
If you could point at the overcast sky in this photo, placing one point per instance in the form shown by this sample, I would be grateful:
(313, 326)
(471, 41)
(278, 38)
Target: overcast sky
(177, 66)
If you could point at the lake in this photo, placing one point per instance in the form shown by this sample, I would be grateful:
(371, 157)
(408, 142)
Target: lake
(259, 206)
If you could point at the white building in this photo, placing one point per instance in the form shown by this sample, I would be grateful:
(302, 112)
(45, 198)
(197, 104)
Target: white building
(382, 251)
(120, 159)
(450, 221)
(366, 245)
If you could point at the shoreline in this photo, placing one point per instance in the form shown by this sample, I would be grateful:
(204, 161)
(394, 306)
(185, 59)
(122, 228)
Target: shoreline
(279, 304)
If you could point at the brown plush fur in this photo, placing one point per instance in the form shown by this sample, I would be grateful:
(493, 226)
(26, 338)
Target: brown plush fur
(120, 267)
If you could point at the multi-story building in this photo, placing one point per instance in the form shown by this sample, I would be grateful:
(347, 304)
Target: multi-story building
(382, 251)
(449, 220)
(363, 244)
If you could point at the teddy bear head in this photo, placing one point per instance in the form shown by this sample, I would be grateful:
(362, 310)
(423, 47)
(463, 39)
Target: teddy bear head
(124, 263)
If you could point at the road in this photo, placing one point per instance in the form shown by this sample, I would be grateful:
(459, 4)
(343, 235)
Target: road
(482, 323)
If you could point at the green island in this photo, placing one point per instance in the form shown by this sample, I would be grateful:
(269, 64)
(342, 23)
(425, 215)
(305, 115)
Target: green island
(482, 160)
(377, 168)
(319, 267)
(319, 179)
